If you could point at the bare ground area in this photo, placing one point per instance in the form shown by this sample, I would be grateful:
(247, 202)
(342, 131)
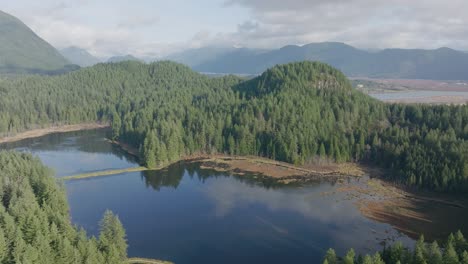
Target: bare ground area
(55, 129)
(419, 85)
(281, 171)
(446, 99)
(412, 213)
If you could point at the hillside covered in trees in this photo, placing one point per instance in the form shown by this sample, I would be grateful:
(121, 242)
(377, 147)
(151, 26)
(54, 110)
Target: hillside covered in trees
(35, 223)
(299, 113)
(453, 251)
(22, 51)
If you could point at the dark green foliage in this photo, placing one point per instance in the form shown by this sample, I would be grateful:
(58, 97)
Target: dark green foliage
(330, 257)
(454, 252)
(35, 224)
(349, 258)
(112, 239)
(300, 113)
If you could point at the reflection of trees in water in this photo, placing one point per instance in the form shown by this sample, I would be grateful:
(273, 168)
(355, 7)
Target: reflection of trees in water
(89, 141)
(173, 175)
(169, 177)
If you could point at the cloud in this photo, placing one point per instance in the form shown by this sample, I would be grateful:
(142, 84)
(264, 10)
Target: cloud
(247, 26)
(332, 216)
(118, 27)
(138, 22)
(365, 23)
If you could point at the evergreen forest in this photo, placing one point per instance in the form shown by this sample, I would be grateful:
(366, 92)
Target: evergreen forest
(301, 113)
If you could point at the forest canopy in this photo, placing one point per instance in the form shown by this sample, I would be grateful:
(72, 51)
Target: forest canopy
(300, 113)
(35, 223)
(453, 251)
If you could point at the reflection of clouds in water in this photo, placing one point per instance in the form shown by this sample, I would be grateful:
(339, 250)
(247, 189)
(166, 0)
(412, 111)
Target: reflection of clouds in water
(68, 163)
(331, 215)
(70, 141)
(309, 202)
(92, 158)
(76, 158)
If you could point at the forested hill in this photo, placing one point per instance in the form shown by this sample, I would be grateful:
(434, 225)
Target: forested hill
(300, 113)
(22, 51)
(35, 222)
(437, 64)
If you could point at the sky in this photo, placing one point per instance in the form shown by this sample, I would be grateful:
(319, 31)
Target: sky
(156, 28)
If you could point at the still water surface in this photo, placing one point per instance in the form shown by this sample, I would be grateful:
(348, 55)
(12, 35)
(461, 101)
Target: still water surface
(189, 215)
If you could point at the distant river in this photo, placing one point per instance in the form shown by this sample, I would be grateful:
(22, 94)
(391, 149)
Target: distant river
(189, 215)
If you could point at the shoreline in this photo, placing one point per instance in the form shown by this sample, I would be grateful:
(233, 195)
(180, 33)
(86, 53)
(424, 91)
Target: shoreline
(34, 133)
(411, 212)
(147, 261)
(283, 172)
(238, 165)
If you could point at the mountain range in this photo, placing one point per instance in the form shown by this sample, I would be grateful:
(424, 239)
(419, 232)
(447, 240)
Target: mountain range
(438, 64)
(79, 56)
(22, 51)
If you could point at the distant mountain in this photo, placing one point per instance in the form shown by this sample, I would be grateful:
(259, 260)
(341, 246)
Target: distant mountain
(79, 56)
(439, 64)
(194, 57)
(197, 58)
(124, 58)
(22, 51)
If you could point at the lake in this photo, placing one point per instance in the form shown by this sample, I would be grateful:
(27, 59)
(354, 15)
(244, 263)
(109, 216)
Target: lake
(186, 214)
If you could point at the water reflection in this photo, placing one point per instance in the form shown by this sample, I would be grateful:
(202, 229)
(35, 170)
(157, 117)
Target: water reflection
(76, 152)
(191, 215)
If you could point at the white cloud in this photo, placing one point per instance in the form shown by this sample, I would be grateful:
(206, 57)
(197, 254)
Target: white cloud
(365, 23)
(158, 27)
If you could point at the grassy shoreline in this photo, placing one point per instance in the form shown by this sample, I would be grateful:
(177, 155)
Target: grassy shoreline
(237, 164)
(34, 133)
(241, 165)
(102, 173)
(147, 261)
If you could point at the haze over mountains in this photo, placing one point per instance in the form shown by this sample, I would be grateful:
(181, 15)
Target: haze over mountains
(127, 57)
(22, 51)
(79, 56)
(439, 64)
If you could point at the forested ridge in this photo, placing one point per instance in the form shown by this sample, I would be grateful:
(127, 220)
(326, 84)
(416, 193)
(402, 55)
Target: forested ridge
(299, 113)
(452, 251)
(35, 223)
